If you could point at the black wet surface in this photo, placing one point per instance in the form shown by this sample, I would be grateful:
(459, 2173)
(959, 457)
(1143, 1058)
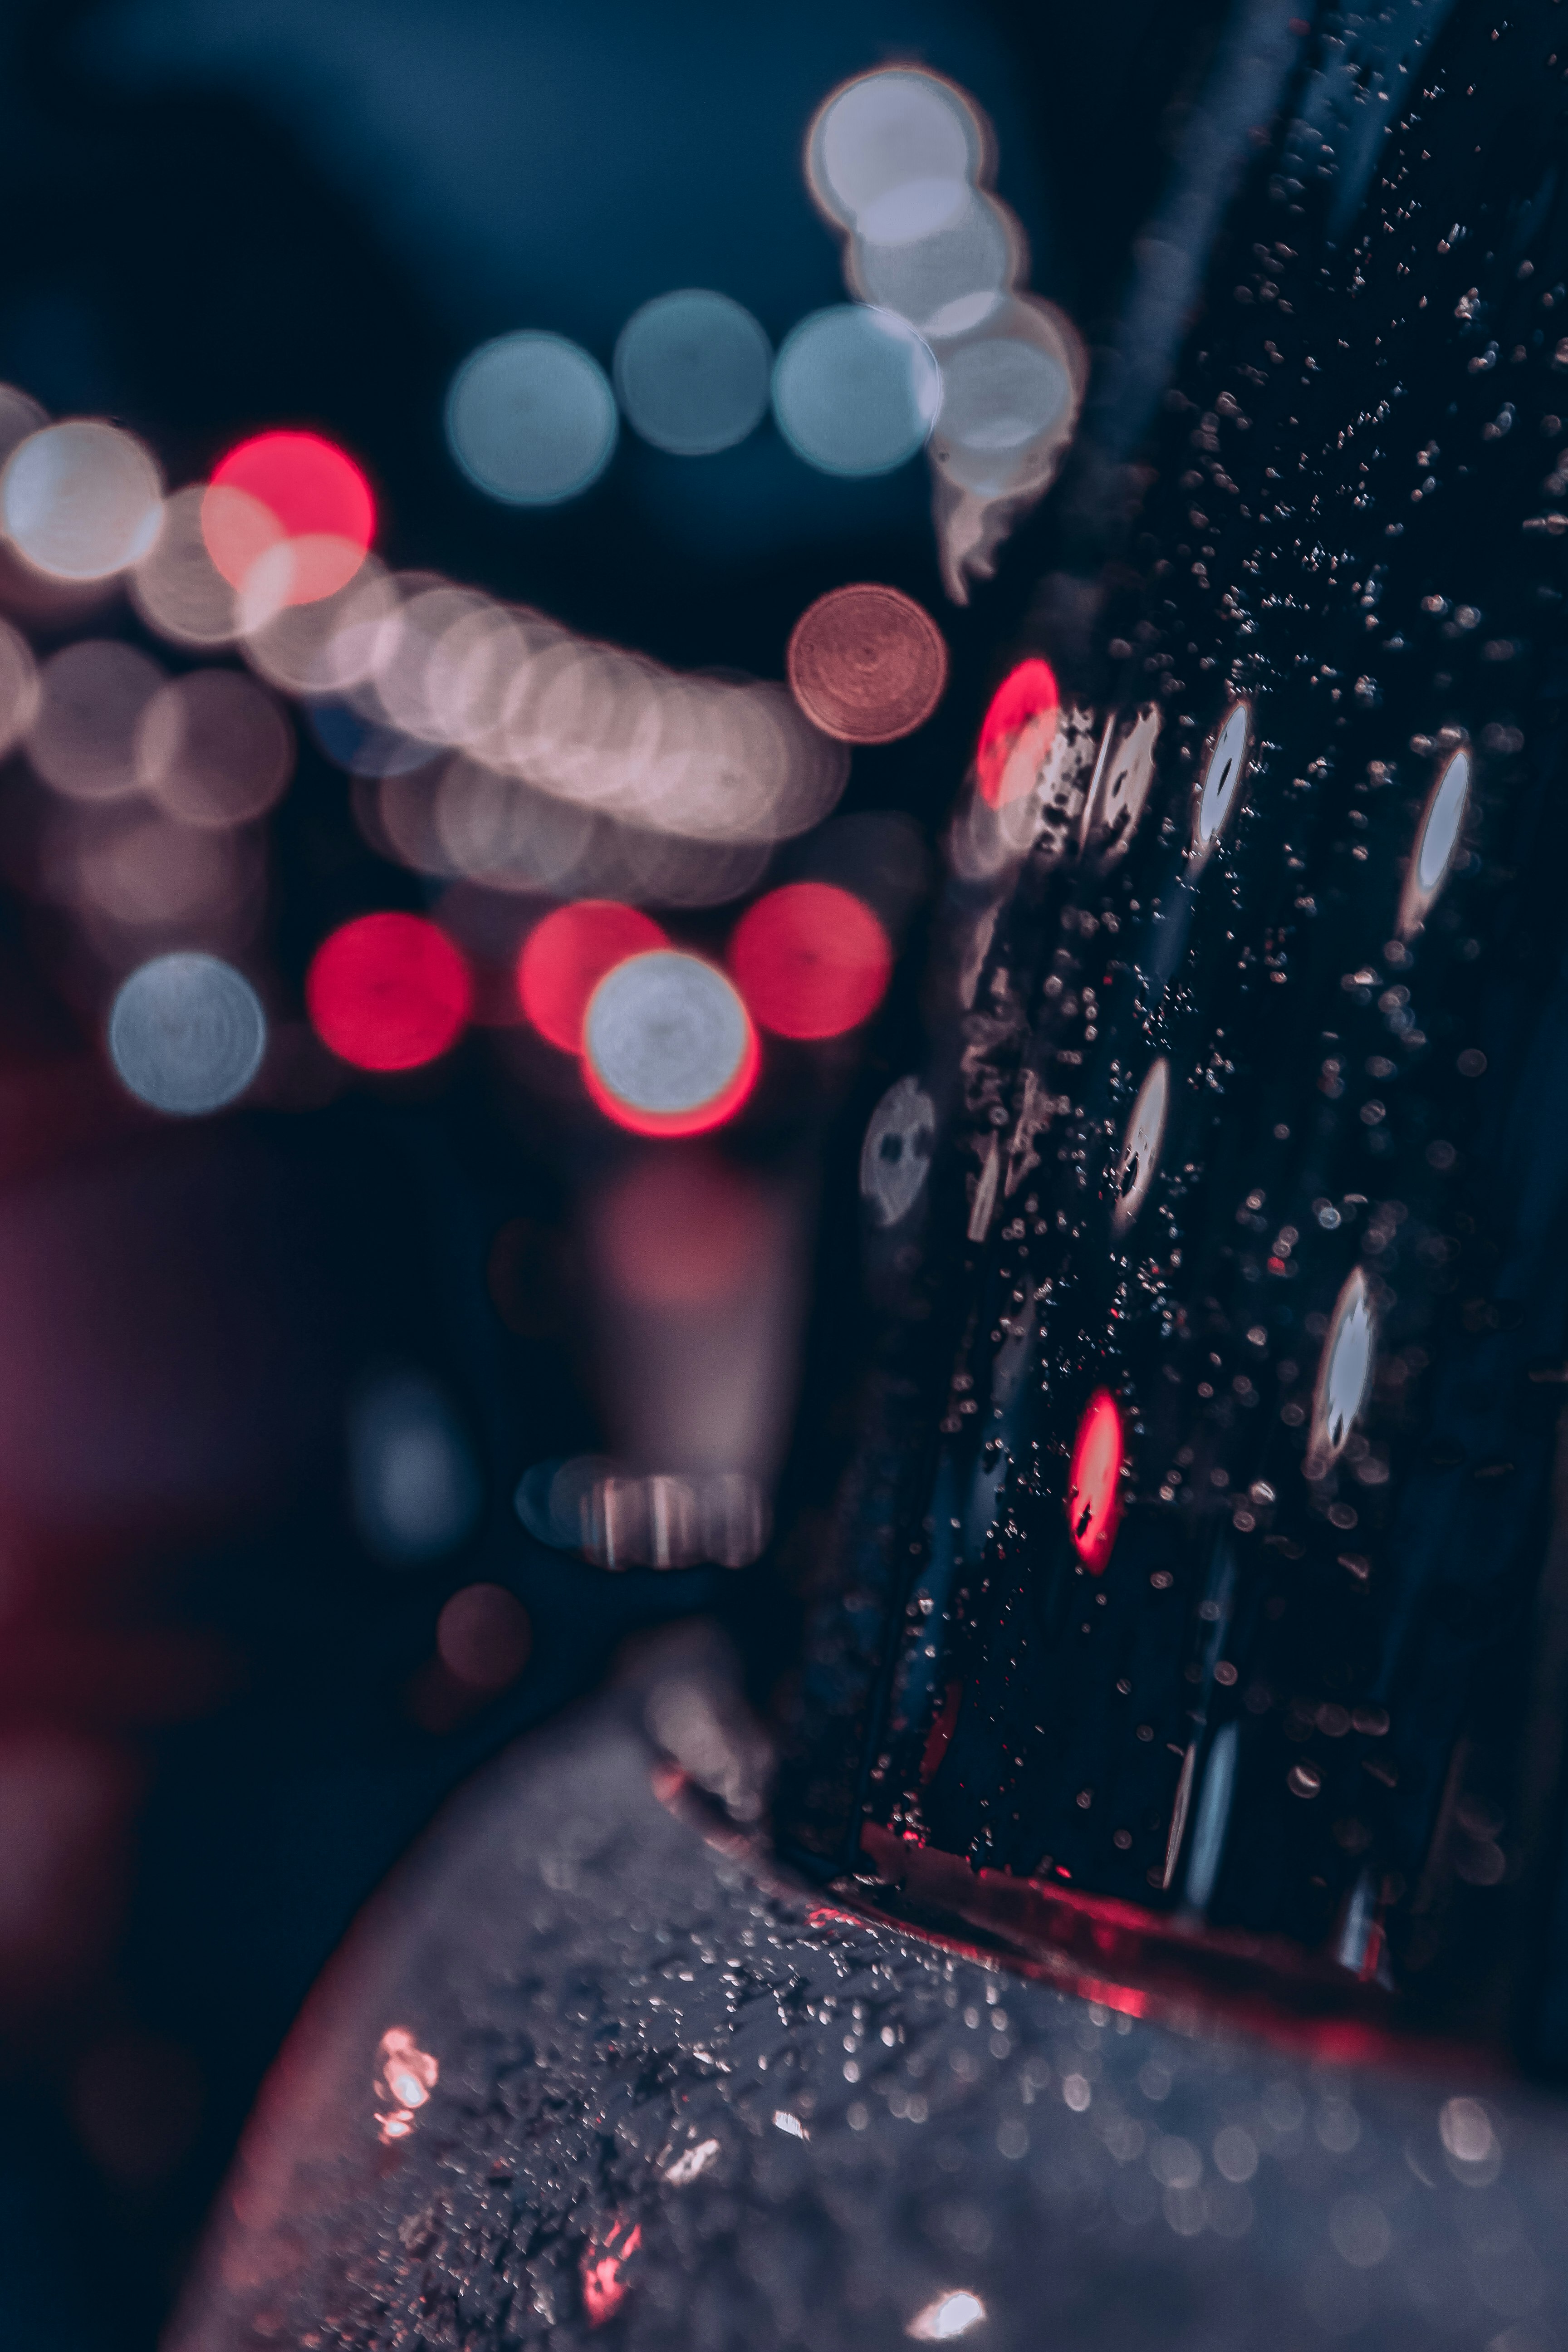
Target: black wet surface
(811, 2132)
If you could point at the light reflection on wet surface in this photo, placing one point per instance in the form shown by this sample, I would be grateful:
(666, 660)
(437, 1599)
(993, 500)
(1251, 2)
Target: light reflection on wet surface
(622, 2012)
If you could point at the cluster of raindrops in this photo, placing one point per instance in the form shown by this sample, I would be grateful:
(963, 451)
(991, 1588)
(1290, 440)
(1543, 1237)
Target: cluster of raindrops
(1175, 1613)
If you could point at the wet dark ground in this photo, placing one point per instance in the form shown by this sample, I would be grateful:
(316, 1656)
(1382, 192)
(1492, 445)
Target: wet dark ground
(675, 2108)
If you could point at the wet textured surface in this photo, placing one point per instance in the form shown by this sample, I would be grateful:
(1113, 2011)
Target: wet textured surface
(641, 2095)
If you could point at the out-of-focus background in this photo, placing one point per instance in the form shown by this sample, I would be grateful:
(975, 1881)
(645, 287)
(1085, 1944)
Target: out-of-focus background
(285, 1546)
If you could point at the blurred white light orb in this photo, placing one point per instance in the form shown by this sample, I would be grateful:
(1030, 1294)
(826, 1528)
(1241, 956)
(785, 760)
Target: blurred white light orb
(999, 394)
(82, 736)
(176, 587)
(80, 500)
(856, 391)
(691, 370)
(667, 1044)
(944, 284)
(213, 748)
(530, 419)
(893, 155)
(187, 1033)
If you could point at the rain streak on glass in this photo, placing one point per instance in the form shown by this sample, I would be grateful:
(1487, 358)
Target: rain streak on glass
(530, 419)
(1140, 1146)
(1224, 774)
(692, 369)
(856, 391)
(1436, 839)
(668, 1046)
(1345, 1373)
(895, 1157)
(187, 1033)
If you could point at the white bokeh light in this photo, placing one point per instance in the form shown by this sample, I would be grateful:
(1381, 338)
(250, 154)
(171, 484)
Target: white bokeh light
(187, 1033)
(80, 500)
(530, 419)
(856, 391)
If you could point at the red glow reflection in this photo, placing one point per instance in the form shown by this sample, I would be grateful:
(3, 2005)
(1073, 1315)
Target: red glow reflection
(291, 487)
(604, 2288)
(1017, 732)
(1094, 1482)
(388, 993)
(566, 956)
(811, 960)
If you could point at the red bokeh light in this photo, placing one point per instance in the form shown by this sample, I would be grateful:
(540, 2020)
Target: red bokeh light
(1017, 732)
(388, 992)
(1094, 1481)
(291, 487)
(811, 960)
(566, 956)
